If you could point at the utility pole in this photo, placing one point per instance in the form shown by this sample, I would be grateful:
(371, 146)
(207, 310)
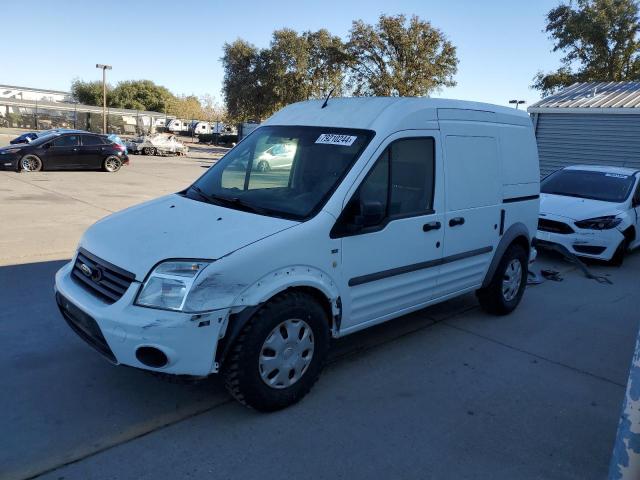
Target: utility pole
(104, 95)
(517, 103)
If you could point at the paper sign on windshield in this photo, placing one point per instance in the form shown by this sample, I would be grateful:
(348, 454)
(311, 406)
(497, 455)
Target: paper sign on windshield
(336, 139)
(616, 175)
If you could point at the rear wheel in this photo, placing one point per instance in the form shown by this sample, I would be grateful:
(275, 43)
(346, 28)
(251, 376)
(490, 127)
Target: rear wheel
(279, 354)
(149, 151)
(112, 164)
(507, 286)
(31, 163)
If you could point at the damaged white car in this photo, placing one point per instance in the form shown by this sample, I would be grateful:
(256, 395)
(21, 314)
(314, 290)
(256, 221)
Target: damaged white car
(386, 206)
(157, 144)
(592, 211)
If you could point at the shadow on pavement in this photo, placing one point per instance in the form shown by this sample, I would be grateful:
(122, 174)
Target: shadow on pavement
(68, 402)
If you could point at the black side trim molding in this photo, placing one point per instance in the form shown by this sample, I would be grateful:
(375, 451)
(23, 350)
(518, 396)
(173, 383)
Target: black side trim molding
(372, 277)
(521, 199)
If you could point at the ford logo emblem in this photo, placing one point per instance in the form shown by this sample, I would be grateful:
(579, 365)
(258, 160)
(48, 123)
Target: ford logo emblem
(86, 269)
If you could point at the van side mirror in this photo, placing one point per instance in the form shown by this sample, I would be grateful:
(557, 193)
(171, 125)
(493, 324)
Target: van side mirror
(371, 214)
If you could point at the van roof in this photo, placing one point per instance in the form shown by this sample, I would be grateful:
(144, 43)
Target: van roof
(392, 113)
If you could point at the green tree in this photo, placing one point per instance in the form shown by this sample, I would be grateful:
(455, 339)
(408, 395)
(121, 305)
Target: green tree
(88, 93)
(139, 95)
(327, 64)
(397, 57)
(295, 67)
(242, 85)
(600, 42)
(187, 107)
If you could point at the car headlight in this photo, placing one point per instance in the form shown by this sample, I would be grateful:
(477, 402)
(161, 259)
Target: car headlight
(10, 150)
(169, 283)
(599, 223)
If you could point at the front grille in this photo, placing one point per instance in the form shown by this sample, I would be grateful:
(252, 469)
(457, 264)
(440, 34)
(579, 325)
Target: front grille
(589, 249)
(100, 277)
(85, 326)
(553, 226)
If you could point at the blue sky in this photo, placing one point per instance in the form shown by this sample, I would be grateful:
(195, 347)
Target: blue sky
(501, 43)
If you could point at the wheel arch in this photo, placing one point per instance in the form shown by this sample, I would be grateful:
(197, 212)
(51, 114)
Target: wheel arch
(630, 233)
(305, 279)
(517, 234)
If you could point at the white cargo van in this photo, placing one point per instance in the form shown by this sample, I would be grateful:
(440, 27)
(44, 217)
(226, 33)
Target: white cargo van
(389, 205)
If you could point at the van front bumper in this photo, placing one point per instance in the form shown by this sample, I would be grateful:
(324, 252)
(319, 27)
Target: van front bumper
(119, 330)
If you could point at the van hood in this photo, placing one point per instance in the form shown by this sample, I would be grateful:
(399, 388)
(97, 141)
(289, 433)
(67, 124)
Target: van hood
(137, 238)
(577, 208)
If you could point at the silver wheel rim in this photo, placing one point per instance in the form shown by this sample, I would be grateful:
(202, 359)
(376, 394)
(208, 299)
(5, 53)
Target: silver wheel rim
(286, 354)
(112, 164)
(30, 163)
(512, 280)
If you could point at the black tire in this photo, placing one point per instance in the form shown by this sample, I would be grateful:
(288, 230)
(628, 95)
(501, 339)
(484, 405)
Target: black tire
(618, 257)
(149, 151)
(492, 298)
(241, 370)
(33, 161)
(263, 166)
(111, 164)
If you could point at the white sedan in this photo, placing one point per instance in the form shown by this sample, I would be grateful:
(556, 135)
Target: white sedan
(592, 211)
(278, 156)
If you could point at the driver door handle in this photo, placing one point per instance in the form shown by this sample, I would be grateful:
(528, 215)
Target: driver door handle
(427, 227)
(456, 221)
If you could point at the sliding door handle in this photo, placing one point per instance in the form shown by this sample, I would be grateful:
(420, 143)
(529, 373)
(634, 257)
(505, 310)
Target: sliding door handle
(456, 221)
(427, 227)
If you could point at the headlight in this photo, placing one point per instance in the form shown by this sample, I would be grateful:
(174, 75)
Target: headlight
(169, 283)
(599, 223)
(10, 150)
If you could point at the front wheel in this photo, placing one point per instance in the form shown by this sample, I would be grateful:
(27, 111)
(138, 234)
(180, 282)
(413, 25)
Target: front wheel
(31, 163)
(112, 164)
(149, 151)
(507, 286)
(279, 354)
(263, 166)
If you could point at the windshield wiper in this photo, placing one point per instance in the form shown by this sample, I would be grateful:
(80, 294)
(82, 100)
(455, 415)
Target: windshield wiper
(234, 202)
(200, 193)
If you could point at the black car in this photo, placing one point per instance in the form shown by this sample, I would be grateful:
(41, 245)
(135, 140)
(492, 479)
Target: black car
(64, 151)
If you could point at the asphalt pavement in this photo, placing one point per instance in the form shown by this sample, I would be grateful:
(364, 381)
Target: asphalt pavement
(445, 393)
(448, 392)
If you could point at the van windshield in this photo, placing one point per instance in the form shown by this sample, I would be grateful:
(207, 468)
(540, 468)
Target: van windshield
(282, 171)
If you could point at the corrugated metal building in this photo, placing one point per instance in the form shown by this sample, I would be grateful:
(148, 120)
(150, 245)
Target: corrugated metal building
(591, 123)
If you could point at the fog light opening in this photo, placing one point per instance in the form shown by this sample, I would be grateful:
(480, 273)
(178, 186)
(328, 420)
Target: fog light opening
(151, 357)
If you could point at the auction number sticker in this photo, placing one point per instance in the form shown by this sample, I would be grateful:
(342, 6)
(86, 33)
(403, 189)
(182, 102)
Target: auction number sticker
(616, 175)
(336, 139)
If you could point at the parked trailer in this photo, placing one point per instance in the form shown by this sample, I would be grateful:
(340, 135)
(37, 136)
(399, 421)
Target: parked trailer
(176, 125)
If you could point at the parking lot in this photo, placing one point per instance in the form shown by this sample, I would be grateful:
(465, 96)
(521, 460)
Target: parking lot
(446, 392)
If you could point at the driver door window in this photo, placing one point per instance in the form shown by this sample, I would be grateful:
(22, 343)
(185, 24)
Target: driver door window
(399, 185)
